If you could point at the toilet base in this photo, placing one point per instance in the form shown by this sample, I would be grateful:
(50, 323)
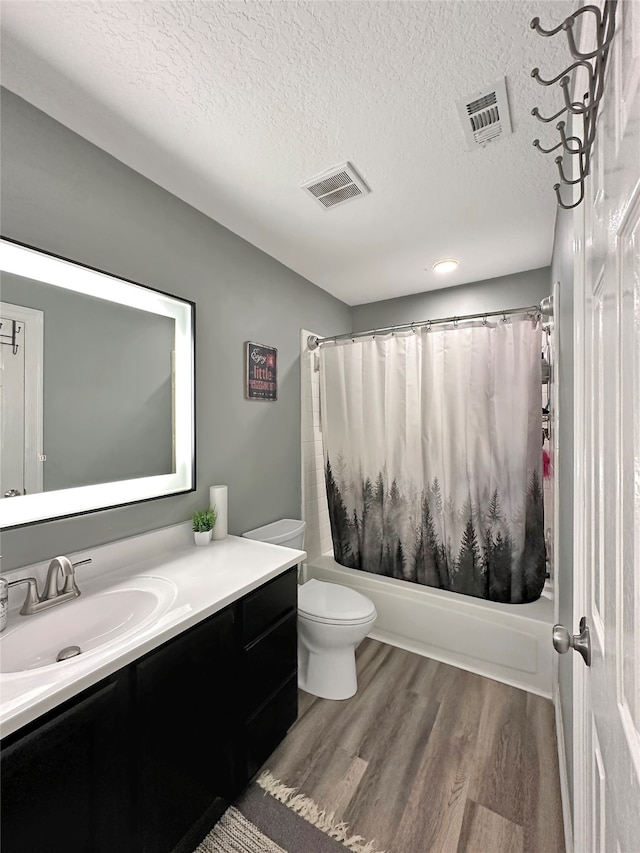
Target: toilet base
(329, 675)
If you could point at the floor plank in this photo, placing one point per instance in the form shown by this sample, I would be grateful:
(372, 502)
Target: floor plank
(427, 758)
(336, 779)
(484, 831)
(502, 754)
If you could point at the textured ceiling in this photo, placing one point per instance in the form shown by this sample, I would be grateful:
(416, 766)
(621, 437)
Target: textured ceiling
(231, 105)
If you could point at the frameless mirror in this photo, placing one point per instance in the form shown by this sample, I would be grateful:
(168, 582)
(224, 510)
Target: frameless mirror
(96, 390)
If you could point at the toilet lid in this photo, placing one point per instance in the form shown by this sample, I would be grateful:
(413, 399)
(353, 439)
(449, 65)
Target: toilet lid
(331, 602)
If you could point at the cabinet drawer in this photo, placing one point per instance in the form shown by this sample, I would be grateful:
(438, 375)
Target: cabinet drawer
(268, 727)
(270, 660)
(266, 605)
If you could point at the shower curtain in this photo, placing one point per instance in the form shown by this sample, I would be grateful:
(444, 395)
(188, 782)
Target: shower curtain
(432, 451)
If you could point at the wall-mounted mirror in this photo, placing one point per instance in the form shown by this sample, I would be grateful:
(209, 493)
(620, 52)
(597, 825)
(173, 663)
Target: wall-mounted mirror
(96, 389)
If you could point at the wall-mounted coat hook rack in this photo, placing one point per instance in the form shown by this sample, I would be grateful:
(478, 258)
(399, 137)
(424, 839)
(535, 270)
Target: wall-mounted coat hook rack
(594, 64)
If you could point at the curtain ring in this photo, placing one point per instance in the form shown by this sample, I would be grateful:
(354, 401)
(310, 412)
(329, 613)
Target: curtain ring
(429, 326)
(455, 322)
(484, 320)
(504, 318)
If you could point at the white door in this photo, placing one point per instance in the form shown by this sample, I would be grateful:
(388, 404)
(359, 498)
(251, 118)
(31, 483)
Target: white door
(21, 400)
(607, 464)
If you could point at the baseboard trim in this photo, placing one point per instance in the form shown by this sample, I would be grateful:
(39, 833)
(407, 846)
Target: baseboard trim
(564, 776)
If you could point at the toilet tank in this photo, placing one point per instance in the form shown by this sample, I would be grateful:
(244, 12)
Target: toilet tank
(287, 531)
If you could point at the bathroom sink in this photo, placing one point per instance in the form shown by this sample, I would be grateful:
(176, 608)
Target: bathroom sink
(90, 622)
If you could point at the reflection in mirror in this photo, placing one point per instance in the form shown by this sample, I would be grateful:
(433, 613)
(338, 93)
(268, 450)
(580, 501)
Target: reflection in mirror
(107, 389)
(96, 399)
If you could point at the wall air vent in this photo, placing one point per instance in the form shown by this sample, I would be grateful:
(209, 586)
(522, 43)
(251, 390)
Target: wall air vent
(336, 186)
(485, 115)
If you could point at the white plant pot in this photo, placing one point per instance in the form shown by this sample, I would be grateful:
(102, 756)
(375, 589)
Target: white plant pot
(202, 538)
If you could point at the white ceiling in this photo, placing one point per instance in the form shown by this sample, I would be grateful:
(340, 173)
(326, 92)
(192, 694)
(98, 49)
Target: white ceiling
(231, 105)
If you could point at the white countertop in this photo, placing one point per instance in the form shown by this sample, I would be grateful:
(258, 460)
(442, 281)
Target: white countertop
(205, 579)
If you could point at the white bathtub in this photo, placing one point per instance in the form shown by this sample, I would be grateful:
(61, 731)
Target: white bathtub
(507, 642)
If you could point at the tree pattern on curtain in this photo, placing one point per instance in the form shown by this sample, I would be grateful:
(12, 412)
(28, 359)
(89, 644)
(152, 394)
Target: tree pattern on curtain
(433, 458)
(480, 566)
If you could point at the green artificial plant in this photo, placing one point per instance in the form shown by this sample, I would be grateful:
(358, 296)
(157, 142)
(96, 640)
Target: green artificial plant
(204, 520)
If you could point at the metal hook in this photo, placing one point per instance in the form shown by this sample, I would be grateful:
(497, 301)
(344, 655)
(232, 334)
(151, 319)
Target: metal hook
(455, 322)
(564, 179)
(536, 144)
(536, 73)
(594, 9)
(11, 338)
(484, 320)
(535, 25)
(592, 100)
(504, 318)
(602, 25)
(556, 187)
(582, 148)
(594, 63)
(536, 113)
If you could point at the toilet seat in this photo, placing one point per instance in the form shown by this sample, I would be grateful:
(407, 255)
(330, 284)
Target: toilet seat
(323, 620)
(333, 604)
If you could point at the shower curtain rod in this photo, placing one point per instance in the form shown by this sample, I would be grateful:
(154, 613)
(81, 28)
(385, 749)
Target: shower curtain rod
(535, 311)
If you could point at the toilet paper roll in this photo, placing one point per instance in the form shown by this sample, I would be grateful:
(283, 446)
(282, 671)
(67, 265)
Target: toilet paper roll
(218, 501)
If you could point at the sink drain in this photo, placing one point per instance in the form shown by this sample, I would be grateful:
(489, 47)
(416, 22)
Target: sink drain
(68, 652)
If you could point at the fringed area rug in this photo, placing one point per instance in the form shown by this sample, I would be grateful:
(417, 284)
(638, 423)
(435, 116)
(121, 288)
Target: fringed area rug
(273, 818)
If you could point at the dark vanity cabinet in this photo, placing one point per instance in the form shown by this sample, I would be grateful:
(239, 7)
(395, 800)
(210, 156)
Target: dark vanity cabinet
(148, 759)
(185, 716)
(65, 778)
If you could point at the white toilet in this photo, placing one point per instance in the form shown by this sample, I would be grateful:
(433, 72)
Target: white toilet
(332, 621)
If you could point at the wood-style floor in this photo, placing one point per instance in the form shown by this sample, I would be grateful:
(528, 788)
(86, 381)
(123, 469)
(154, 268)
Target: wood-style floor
(427, 758)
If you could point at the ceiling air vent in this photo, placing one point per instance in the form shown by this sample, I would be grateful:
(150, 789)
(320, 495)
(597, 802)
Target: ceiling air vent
(485, 115)
(336, 186)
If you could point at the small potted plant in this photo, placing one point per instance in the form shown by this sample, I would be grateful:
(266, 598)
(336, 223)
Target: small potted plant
(203, 524)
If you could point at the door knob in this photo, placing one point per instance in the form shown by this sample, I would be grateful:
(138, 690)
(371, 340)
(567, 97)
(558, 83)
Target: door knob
(581, 643)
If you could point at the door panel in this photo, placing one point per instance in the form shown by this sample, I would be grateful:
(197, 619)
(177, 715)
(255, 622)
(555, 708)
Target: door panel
(12, 412)
(21, 401)
(607, 509)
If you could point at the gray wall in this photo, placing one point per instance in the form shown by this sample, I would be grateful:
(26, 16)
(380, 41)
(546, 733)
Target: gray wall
(107, 386)
(509, 291)
(562, 271)
(64, 195)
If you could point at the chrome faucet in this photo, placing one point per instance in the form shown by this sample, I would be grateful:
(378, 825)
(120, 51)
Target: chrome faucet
(59, 568)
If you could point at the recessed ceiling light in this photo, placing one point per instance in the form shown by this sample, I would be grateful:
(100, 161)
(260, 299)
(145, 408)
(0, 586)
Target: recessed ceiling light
(448, 265)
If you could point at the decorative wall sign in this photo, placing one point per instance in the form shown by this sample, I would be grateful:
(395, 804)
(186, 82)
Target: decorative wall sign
(262, 372)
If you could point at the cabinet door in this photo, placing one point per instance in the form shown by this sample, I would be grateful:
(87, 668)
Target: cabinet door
(185, 717)
(65, 783)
